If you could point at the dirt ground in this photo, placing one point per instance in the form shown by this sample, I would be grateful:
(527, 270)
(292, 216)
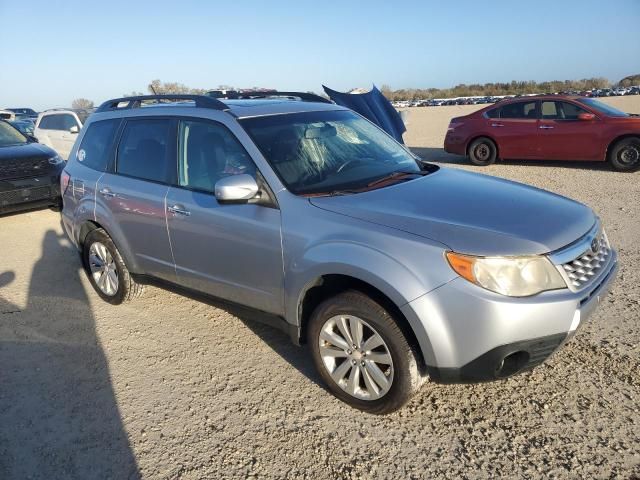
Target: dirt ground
(168, 387)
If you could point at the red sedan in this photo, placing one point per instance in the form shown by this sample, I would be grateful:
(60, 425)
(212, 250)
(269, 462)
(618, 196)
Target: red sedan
(550, 127)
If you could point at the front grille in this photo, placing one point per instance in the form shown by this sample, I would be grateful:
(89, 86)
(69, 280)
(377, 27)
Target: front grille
(14, 197)
(23, 167)
(585, 268)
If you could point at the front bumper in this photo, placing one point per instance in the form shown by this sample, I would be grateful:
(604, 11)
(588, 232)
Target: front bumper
(471, 334)
(28, 193)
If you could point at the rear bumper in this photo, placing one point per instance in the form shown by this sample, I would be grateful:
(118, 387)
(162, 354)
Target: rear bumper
(454, 144)
(473, 335)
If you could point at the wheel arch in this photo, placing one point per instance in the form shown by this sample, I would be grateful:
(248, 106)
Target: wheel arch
(476, 137)
(330, 285)
(616, 140)
(90, 225)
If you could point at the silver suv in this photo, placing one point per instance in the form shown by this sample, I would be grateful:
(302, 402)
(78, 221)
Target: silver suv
(392, 270)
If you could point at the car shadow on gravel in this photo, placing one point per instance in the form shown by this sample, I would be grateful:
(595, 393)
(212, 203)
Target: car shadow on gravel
(59, 416)
(438, 155)
(264, 325)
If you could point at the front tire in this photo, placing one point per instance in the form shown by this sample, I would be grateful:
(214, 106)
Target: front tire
(361, 353)
(482, 152)
(624, 156)
(106, 270)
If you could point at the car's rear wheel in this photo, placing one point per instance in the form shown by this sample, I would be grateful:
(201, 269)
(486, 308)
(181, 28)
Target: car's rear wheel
(624, 156)
(482, 152)
(106, 270)
(361, 353)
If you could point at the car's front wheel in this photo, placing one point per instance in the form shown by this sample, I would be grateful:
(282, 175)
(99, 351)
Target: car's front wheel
(362, 354)
(625, 155)
(106, 270)
(482, 152)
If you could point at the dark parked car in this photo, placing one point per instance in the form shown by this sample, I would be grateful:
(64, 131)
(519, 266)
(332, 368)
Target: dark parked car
(549, 127)
(25, 126)
(24, 113)
(29, 172)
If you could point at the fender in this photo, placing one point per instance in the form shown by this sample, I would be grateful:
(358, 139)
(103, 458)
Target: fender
(395, 280)
(105, 219)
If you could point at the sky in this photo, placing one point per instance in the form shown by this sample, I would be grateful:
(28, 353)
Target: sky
(58, 50)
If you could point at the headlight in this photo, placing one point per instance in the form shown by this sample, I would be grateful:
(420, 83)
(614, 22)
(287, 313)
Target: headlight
(511, 276)
(57, 160)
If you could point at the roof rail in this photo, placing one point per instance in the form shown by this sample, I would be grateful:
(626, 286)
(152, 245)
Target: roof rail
(201, 101)
(301, 96)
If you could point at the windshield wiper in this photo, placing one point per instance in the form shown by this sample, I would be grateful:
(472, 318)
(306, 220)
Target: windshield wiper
(396, 175)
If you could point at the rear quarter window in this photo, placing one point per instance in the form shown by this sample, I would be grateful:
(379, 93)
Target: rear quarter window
(96, 148)
(493, 113)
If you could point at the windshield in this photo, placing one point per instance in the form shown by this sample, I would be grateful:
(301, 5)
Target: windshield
(603, 107)
(10, 136)
(323, 152)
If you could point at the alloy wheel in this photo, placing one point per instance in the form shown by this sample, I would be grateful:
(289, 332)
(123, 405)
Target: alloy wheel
(103, 269)
(356, 357)
(629, 155)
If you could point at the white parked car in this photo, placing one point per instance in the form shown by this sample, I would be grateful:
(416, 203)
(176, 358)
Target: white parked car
(7, 115)
(59, 129)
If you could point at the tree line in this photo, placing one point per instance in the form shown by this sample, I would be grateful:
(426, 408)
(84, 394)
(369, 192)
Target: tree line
(514, 87)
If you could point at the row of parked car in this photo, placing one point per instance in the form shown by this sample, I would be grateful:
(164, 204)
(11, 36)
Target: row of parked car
(602, 92)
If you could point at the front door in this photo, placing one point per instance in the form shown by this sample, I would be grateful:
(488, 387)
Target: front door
(231, 251)
(563, 136)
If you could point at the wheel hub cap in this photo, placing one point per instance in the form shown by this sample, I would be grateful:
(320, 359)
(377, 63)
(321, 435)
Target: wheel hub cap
(630, 155)
(356, 357)
(103, 269)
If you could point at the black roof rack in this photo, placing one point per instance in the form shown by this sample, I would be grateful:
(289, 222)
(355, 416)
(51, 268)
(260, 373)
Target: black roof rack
(201, 101)
(302, 96)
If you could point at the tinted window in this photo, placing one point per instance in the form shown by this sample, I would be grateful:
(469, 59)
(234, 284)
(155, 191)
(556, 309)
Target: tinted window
(208, 152)
(96, 144)
(62, 121)
(495, 113)
(561, 111)
(519, 110)
(144, 150)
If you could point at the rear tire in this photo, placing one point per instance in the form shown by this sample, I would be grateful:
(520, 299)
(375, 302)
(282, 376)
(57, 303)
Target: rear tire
(624, 156)
(106, 269)
(378, 372)
(482, 152)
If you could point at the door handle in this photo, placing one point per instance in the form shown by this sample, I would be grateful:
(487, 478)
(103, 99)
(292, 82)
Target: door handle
(497, 125)
(545, 127)
(105, 192)
(179, 210)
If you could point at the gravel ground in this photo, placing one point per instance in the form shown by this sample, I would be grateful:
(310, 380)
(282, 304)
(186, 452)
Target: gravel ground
(168, 387)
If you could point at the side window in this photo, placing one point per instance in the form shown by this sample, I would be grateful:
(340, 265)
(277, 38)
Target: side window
(494, 113)
(570, 111)
(144, 150)
(96, 144)
(207, 152)
(525, 110)
(549, 111)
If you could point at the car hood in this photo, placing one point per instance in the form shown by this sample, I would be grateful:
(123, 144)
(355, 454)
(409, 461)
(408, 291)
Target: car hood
(26, 150)
(471, 213)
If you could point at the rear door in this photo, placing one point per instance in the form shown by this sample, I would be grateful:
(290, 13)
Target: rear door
(515, 129)
(94, 154)
(231, 251)
(132, 194)
(563, 136)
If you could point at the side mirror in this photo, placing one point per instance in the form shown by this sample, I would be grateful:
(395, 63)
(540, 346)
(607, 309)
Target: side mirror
(236, 188)
(74, 129)
(586, 116)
